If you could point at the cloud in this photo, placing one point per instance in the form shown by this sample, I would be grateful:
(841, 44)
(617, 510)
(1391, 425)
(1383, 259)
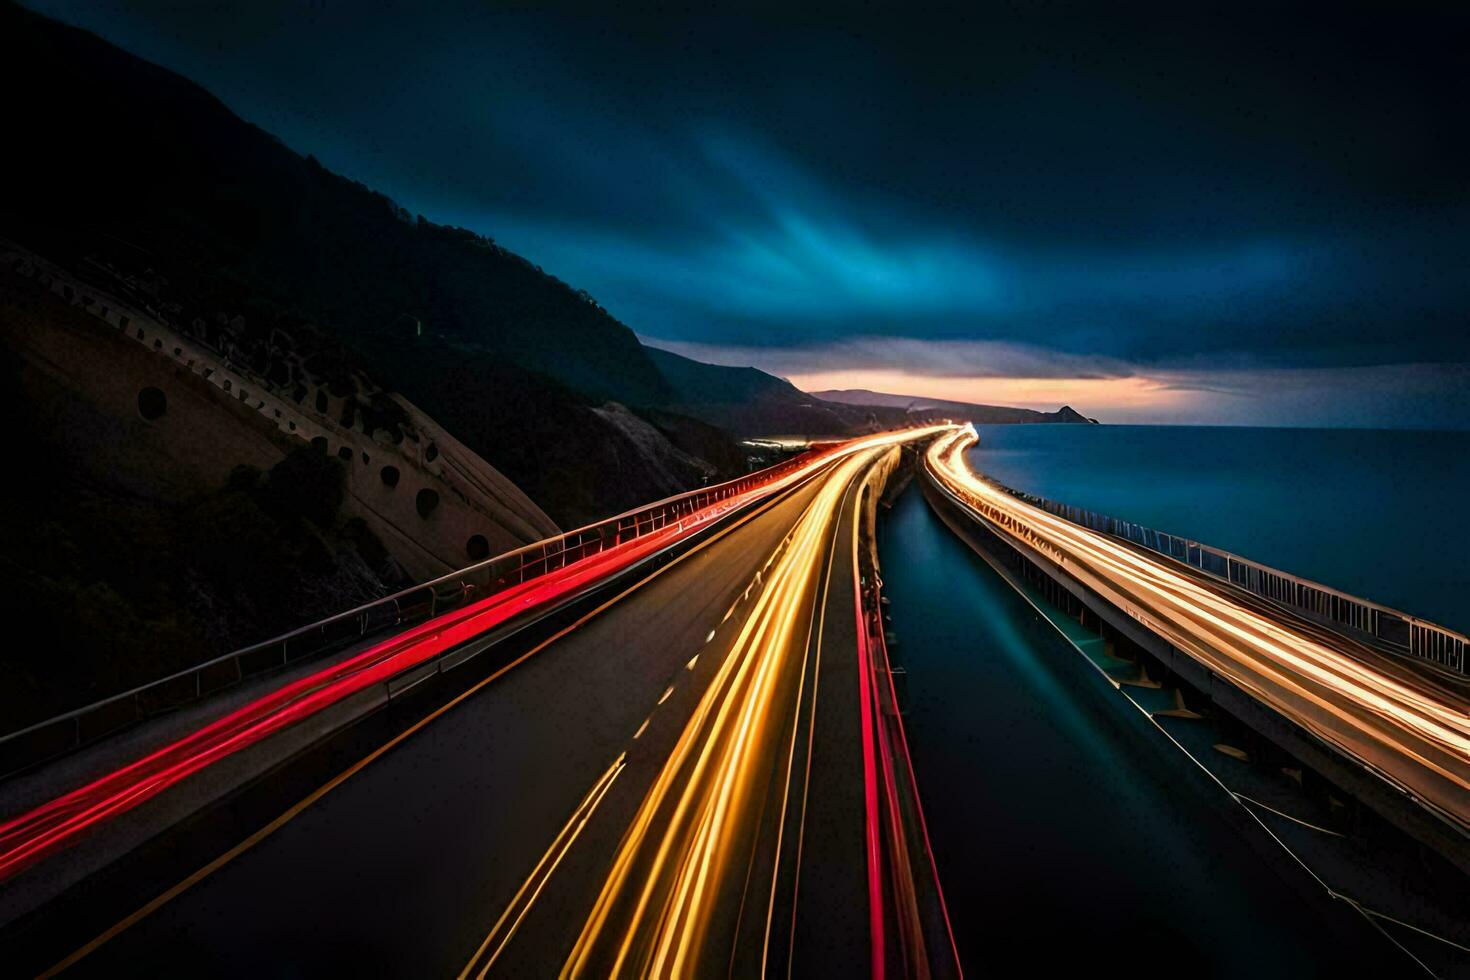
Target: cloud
(1105, 198)
(781, 258)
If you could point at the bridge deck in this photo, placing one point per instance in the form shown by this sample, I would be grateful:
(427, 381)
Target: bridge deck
(1403, 727)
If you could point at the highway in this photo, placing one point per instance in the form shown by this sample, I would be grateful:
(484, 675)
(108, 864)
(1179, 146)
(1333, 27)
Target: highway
(679, 783)
(1403, 724)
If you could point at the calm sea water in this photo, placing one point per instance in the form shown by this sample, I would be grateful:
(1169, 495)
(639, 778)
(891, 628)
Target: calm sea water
(1069, 842)
(1380, 514)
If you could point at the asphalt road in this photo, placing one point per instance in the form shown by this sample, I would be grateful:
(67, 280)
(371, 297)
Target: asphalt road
(487, 836)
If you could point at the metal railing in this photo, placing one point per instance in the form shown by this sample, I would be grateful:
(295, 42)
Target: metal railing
(1391, 628)
(82, 726)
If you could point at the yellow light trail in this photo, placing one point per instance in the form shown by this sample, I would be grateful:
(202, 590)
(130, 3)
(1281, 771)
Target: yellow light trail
(510, 920)
(1402, 724)
(686, 847)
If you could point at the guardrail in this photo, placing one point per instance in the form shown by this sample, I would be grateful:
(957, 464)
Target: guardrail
(1391, 628)
(74, 729)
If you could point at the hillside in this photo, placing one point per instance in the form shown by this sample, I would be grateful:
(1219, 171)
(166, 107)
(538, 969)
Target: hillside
(178, 182)
(173, 504)
(915, 407)
(749, 402)
(143, 182)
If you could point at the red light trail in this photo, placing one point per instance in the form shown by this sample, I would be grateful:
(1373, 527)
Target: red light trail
(30, 836)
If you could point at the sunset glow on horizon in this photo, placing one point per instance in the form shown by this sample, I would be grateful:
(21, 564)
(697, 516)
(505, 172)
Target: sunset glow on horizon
(1091, 396)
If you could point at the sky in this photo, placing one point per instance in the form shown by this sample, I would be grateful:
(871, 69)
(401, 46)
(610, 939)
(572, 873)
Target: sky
(1248, 216)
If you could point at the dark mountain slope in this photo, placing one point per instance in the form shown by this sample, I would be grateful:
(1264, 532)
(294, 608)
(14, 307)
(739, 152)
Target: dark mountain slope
(695, 381)
(117, 147)
(750, 402)
(147, 184)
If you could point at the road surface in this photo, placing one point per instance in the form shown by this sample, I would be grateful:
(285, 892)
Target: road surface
(674, 785)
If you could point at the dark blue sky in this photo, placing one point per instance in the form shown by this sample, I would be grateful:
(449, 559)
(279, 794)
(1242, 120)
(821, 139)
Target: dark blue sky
(1250, 216)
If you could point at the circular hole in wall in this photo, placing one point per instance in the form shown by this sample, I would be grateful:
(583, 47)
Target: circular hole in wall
(152, 403)
(426, 501)
(390, 476)
(477, 547)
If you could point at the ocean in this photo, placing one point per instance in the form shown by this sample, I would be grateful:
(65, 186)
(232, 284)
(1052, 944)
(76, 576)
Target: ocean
(1384, 515)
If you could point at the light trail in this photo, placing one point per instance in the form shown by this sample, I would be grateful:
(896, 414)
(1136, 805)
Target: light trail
(683, 857)
(505, 927)
(906, 899)
(873, 817)
(311, 799)
(897, 831)
(1401, 724)
(30, 836)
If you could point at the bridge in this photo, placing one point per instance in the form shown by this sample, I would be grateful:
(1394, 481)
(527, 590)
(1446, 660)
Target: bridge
(667, 743)
(1368, 696)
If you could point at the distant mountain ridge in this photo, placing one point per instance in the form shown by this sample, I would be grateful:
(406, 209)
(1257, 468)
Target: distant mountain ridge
(960, 411)
(749, 402)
